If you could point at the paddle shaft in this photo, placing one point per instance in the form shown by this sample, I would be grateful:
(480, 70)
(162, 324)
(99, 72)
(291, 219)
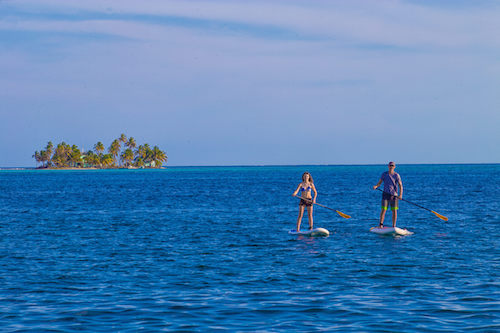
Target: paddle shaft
(324, 206)
(404, 200)
(315, 203)
(414, 204)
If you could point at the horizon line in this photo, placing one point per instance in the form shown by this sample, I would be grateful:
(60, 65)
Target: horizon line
(260, 165)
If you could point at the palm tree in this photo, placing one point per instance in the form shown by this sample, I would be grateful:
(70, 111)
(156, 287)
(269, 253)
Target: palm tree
(99, 147)
(61, 154)
(127, 156)
(121, 139)
(107, 160)
(158, 156)
(139, 152)
(114, 149)
(37, 158)
(147, 154)
(89, 158)
(49, 150)
(139, 162)
(44, 158)
(75, 156)
(131, 143)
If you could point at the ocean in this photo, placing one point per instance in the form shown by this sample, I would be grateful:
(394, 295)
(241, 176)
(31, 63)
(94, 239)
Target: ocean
(207, 249)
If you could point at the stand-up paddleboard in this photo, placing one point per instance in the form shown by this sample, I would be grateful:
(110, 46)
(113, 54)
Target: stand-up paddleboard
(318, 232)
(391, 231)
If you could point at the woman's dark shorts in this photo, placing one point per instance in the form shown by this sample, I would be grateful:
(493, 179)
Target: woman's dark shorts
(306, 203)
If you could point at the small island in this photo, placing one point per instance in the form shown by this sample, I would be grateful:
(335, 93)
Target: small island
(132, 156)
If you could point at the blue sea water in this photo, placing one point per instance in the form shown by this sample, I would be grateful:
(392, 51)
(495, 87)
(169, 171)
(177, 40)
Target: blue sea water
(208, 249)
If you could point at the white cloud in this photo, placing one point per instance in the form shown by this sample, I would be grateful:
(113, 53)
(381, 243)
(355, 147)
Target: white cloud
(392, 23)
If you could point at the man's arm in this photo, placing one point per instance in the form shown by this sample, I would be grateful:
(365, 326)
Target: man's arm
(378, 184)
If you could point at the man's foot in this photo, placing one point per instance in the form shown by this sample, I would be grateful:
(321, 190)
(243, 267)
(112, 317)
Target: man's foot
(381, 225)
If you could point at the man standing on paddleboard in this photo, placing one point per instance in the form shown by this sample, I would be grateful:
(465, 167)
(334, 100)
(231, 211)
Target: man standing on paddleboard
(392, 181)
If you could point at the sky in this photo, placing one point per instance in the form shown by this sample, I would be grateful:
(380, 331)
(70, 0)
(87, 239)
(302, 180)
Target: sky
(276, 82)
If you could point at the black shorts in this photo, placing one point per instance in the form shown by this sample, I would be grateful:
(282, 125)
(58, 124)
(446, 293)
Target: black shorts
(306, 203)
(391, 200)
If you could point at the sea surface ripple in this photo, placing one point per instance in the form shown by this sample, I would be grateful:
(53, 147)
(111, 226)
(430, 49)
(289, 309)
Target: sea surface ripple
(207, 249)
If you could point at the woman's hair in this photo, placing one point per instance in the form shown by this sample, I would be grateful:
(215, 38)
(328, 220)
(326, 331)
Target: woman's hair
(310, 177)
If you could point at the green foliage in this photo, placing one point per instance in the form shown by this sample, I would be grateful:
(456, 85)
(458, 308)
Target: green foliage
(99, 147)
(63, 155)
(127, 156)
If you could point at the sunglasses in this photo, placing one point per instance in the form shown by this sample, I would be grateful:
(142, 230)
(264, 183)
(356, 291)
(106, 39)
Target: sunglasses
(391, 165)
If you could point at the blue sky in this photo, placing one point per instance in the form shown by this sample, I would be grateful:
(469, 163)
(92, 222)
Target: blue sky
(252, 83)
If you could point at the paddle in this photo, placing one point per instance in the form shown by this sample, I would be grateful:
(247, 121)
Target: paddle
(338, 212)
(437, 214)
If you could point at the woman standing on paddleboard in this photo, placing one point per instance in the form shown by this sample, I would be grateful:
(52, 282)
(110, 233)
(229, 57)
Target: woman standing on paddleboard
(305, 188)
(390, 196)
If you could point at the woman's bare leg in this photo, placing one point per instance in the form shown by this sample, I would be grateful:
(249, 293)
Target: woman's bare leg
(299, 219)
(310, 215)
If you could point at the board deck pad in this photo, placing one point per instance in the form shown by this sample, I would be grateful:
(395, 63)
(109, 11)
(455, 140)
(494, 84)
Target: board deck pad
(317, 232)
(390, 231)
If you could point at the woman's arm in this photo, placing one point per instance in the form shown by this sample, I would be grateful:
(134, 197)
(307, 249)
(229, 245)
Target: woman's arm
(315, 192)
(296, 191)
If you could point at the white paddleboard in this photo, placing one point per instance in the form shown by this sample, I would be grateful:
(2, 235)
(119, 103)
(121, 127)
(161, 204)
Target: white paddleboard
(391, 231)
(318, 232)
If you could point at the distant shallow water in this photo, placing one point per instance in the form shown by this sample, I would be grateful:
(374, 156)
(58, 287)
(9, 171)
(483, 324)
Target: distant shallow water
(207, 248)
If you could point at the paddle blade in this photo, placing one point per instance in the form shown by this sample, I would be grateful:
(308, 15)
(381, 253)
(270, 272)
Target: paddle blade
(343, 215)
(444, 218)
